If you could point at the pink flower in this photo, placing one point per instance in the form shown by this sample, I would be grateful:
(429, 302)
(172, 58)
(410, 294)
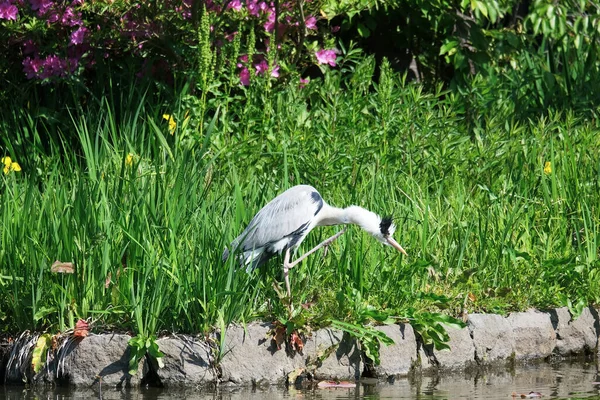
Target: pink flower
(311, 23)
(253, 8)
(270, 24)
(304, 82)
(275, 72)
(32, 67)
(78, 35)
(327, 56)
(41, 6)
(8, 11)
(53, 66)
(70, 18)
(261, 67)
(52, 18)
(235, 4)
(335, 29)
(245, 76)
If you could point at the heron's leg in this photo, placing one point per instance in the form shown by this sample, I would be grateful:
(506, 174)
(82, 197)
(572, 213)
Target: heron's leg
(286, 267)
(324, 243)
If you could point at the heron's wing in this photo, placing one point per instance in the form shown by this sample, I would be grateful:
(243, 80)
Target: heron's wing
(291, 213)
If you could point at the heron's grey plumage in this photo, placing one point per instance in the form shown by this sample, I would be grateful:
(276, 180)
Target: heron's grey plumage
(283, 223)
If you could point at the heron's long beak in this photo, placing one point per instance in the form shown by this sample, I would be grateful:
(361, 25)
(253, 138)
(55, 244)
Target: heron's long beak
(396, 245)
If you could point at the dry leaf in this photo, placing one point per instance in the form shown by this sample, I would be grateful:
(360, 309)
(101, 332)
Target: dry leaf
(107, 280)
(55, 341)
(62, 267)
(296, 342)
(81, 329)
(472, 297)
(279, 336)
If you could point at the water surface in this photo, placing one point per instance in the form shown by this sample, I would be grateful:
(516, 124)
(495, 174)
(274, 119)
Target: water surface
(564, 380)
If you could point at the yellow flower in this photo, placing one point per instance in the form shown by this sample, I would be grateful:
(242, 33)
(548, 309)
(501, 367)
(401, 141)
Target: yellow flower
(548, 168)
(172, 123)
(129, 159)
(9, 165)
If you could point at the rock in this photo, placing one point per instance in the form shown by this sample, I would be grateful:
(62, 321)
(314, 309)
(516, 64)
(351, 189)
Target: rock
(533, 334)
(97, 358)
(397, 359)
(492, 337)
(574, 336)
(331, 354)
(460, 355)
(186, 362)
(250, 357)
(462, 350)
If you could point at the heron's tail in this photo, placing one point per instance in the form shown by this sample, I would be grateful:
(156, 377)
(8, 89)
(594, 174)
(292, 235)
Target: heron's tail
(251, 259)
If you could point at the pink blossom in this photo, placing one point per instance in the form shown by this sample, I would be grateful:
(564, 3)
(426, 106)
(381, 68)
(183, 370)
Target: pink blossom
(32, 67)
(304, 82)
(335, 29)
(311, 23)
(41, 6)
(327, 56)
(52, 18)
(261, 67)
(70, 18)
(235, 4)
(72, 64)
(53, 66)
(245, 76)
(253, 8)
(270, 24)
(78, 35)
(8, 11)
(275, 72)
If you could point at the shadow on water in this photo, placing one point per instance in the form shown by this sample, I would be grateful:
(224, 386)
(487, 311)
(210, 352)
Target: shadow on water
(564, 380)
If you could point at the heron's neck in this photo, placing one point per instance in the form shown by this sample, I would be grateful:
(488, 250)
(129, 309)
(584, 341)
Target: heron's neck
(367, 220)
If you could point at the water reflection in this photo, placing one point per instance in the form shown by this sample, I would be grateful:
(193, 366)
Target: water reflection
(558, 380)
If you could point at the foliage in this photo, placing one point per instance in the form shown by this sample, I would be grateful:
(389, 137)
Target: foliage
(540, 54)
(144, 346)
(497, 214)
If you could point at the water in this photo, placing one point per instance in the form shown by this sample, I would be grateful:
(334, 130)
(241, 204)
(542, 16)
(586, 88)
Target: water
(565, 380)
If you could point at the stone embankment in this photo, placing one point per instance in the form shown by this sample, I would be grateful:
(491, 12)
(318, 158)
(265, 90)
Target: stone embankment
(249, 356)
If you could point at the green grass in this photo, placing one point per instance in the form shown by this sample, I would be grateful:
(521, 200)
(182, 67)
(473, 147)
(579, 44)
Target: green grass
(485, 227)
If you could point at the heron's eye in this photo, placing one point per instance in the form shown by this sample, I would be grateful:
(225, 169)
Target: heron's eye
(384, 225)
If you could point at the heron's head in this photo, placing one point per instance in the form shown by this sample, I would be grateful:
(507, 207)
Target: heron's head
(381, 228)
(386, 231)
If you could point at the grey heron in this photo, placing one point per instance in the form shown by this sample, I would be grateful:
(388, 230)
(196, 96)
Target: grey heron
(285, 221)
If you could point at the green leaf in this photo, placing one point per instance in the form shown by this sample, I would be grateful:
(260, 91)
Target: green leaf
(43, 312)
(449, 47)
(363, 31)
